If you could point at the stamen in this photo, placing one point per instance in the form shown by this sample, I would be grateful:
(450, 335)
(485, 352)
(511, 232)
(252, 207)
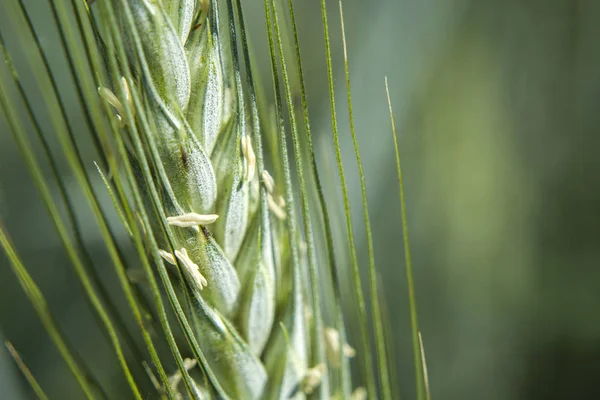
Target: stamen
(360, 393)
(189, 363)
(174, 379)
(268, 181)
(349, 350)
(168, 257)
(281, 201)
(249, 157)
(333, 345)
(109, 96)
(111, 99)
(128, 97)
(192, 268)
(275, 208)
(312, 379)
(192, 219)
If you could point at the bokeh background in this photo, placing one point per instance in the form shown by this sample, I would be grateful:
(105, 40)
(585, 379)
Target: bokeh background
(498, 108)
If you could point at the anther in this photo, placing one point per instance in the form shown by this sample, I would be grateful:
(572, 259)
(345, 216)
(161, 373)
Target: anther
(192, 268)
(249, 157)
(360, 393)
(333, 347)
(268, 181)
(275, 208)
(111, 99)
(128, 97)
(312, 378)
(192, 219)
(174, 379)
(168, 257)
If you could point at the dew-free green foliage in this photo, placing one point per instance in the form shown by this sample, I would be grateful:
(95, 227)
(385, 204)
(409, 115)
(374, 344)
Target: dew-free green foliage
(227, 272)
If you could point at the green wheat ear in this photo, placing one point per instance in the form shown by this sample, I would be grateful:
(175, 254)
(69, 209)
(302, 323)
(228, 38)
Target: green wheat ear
(170, 101)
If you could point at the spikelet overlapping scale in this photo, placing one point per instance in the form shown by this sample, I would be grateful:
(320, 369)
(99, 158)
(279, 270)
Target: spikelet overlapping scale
(244, 256)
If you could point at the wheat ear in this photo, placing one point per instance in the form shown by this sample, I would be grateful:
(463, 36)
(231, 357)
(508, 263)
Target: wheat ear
(171, 106)
(229, 237)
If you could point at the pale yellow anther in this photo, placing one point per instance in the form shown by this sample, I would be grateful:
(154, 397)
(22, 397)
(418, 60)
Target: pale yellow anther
(312, 378)
(168, 257)
(360, 393)
(114, 101)
(275, 208)
(125, 87)
(281, 201)
(333, 346)
(174, 379)
(192, 219)
(189, 363)
(349, 350)
(128, 97)
(268, 181)
(192, 268)
(249, 157)
(111, 99)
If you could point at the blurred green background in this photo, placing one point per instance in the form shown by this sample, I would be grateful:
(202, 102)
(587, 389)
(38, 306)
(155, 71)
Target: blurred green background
(498, 108)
